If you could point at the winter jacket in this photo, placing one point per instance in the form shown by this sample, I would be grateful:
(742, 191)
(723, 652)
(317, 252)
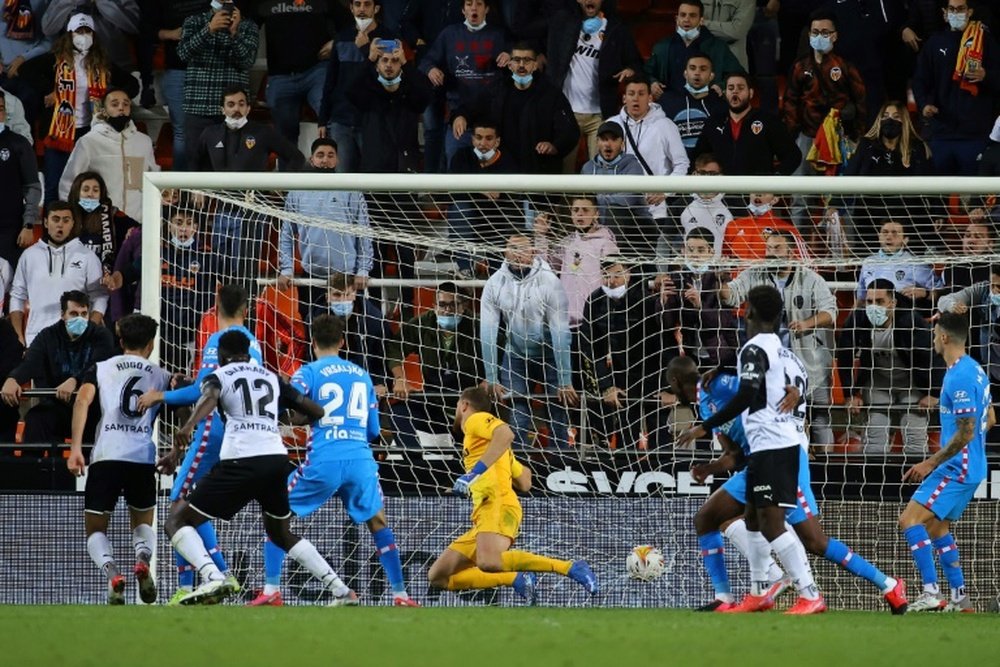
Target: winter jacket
(669, 58)
(21, 191)
(45, 271)
(984, 324)
(16, 120)
(961, 115)
(120, 158)
(347, 63)
(389, 120)
(445, 366)
(578, 262)
(691, 114)
(628, 165)
(763, 147)
(659, 143)
(245, 149)
(535, 310)
(805, 295)
(52, 358)
(815, 88)
(911, 339)
(188, 278)
(468, 60)
(545, 115)
(872, 158)
(325, 250)
(618, 52)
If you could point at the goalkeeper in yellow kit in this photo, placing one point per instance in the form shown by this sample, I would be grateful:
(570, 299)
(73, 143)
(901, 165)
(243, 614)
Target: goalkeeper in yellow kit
(482, 558)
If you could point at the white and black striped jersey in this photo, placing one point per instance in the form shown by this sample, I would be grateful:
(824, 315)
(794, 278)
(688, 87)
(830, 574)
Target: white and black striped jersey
(769, 367)
(123, 433)
(248, 406)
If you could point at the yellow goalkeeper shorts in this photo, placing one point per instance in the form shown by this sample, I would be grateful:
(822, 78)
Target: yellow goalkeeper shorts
(503, 518)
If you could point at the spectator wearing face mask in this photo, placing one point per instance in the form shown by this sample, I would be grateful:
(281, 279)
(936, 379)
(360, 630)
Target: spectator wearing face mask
(913, 280)
(746, 237)
(117, 150)
(706, 210)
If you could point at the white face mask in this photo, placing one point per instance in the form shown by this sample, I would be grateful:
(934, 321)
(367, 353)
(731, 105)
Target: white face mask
(485, 156)
(82, 43)
(362, 23)
(182, 244)
(758, 209)
(235, 123)
(615, 292)
(475, 28)
(696, 267)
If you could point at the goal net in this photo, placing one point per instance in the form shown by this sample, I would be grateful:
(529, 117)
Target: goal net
(569, 296)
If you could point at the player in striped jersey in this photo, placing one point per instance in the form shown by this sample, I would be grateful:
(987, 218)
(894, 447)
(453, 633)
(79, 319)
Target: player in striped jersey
(123, 460)
(727, 504)
(339, 460)
(203, 450)
(950, 477)
(253, 465)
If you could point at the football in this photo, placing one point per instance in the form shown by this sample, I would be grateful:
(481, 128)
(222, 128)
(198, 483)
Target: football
(645, 563)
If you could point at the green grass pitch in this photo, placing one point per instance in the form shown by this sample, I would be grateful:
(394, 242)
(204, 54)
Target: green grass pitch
(482, 637)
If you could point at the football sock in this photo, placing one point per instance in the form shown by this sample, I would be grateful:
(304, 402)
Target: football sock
(714, 558)
(388, 555)
(923, 555)
(473, 577)
(839, 553)
(185, 571)
(737, 533)
(211, 541)
(144, 542)
(793, 558)
(274, 558)
(187, 541)
(948, 555)
(759, 553)
(525, 561)
(99, 548)
(306, 555)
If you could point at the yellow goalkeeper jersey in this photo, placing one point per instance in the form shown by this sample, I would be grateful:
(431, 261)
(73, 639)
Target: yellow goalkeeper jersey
(495, 483)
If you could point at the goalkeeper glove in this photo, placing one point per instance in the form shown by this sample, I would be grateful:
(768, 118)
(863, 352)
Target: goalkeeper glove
(463, 483)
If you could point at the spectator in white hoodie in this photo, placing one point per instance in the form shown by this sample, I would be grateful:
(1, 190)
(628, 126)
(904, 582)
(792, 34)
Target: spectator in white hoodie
(529, 298)
(57, 263)
(118, 151)
(706, 209)
(654, 140)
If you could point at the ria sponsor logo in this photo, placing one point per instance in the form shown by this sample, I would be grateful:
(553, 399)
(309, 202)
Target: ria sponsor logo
(570, 481)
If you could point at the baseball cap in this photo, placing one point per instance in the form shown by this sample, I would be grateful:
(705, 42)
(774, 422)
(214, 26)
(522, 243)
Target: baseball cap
(80, 21)
(609, 127)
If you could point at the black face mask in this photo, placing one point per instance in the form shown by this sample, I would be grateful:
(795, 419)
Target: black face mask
(119, 123)
(891, 128)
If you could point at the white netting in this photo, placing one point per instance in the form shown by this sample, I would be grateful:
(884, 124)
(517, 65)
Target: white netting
(606, 471)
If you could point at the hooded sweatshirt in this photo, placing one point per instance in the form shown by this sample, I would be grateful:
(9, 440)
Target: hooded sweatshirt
(580, 266)
(120, 157)
(45, 271)
(535, 311)
(324, 250)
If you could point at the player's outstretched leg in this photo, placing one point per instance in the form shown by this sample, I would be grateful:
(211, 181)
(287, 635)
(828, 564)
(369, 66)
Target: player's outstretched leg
(305, 554)
(817, 542)
(913, 522)
(144, 545)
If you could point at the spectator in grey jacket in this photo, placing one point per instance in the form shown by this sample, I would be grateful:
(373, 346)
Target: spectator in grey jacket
(809, 318)
(324, 251)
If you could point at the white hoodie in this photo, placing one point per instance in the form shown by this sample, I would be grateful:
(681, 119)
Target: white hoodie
(120, 157)
(44, 272)
(660, 144)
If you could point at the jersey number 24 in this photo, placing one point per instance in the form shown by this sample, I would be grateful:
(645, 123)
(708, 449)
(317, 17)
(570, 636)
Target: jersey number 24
(331, 395)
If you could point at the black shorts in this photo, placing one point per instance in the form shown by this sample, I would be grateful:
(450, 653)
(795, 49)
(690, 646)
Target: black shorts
(107, 480)
(773, 477)
(232, 483)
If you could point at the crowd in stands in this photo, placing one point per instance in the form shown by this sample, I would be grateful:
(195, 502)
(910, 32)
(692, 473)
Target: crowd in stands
(593, 294)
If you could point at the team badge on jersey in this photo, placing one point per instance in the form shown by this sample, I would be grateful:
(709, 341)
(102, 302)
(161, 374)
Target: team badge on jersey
(194, 267)
(756, 127)
(4, 154)
(900, 274)
(836, 73)
(250, 142)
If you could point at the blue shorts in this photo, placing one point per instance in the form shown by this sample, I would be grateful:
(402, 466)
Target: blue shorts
(202, 454)
(736, 486)
(944, 495)
(355, 482)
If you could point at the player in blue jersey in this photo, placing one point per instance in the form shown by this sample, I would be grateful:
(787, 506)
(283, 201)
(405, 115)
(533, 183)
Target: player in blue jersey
(339, 460)
(203, 452)
(726, 505)
(950, 477)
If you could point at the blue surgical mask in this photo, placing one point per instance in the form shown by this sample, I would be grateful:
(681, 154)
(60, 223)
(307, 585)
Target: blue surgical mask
(342, 308)
(592, 25)
(90, 205)
(695, 91)
(75, 326)
(821, 43)
(758, 209)
(695, 267)
(475, 28)
(182, 244)
(877, 315)
(995, 299)
(689, 35)
(485, 156)
(958, 21)
(449, 322)
(389, 82)
(522, 80)
(612, 162)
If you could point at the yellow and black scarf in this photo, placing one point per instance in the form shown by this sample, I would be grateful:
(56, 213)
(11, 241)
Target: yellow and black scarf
(62, 129)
